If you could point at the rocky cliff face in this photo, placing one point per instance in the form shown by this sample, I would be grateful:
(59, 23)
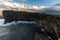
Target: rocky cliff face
(50, 23)
(22, 15)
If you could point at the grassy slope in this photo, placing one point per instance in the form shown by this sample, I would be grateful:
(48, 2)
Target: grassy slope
(0, 12)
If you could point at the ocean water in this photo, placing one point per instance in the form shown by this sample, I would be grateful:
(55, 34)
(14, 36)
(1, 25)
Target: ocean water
(20, 30)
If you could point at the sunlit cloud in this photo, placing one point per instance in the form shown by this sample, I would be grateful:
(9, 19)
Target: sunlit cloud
(8, 0)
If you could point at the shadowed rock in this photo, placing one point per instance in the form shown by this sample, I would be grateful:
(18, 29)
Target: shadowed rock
(10, 16)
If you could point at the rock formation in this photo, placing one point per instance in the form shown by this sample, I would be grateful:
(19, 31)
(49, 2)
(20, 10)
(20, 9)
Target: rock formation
(10, 16)
(50, 23)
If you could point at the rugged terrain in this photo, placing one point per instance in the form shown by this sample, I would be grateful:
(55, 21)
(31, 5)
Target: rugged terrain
(51, 23)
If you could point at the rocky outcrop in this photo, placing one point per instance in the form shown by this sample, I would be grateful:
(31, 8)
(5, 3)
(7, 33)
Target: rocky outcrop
(10, 16)
(50, 23)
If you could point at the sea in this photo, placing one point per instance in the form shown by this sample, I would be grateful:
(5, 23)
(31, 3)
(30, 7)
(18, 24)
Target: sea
(20, 30)
(17, 30)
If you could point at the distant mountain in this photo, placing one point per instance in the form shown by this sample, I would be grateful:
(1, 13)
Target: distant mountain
(57, 4)
(53, 10)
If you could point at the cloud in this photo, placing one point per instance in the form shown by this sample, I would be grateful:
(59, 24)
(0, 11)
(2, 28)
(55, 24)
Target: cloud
(57, 7)
(42, 7)
(7, 4)
(53, 10)
(24, 0)
(8, 0)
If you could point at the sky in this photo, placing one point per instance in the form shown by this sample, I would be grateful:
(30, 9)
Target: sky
(39, 2)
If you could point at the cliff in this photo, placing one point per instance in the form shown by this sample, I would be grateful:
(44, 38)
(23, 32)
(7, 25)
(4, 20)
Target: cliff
(50, 22)
(10, 16)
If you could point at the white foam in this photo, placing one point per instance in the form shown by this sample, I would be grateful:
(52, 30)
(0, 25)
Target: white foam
(4, 27)
(14, 22)
(1, 21)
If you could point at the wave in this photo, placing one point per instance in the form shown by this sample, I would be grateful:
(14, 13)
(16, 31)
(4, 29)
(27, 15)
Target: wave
(15, 22)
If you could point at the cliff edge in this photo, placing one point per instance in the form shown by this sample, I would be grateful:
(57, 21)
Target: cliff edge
(50, 22)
